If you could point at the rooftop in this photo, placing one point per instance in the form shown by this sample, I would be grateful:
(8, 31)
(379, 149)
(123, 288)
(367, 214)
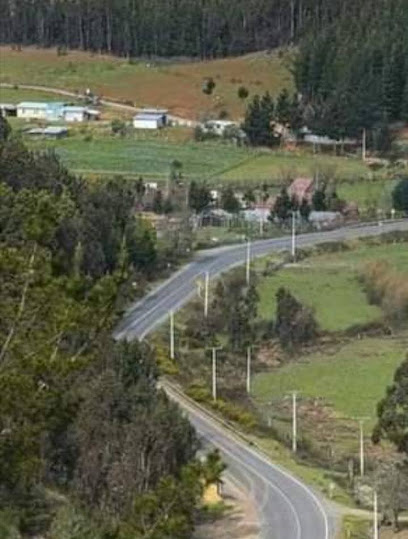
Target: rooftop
(50, 130)
(150, 116)
(74, 108)
(41, 105)
(154, 111)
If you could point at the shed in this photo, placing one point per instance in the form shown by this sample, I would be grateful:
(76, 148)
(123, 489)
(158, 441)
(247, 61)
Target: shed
(50, 131)
(150, 119)
(218, 127)
(325, 219)
(32, 110)
(8, 109)
(72, 113)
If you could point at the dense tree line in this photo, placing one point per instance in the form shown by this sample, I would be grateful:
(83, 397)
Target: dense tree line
(353, 73)
(89, 446)
(199, 28)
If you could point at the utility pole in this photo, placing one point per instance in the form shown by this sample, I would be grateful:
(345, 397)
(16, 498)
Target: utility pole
(261, 226)
(364, 145)
(293, 236)
(375, 520)
(294, 421)
(248, 261)
(207, 285)
(171, 335)
(361, 424)
(248, 373)
(214, 350)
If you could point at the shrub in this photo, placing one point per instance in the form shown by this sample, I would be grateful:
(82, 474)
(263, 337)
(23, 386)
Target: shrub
(400, 196)
(388, 288)
(243, 92)
(118, 127)
(199, 392)
(295, 323)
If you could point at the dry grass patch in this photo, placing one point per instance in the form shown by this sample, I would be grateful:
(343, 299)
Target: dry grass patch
(177, 86)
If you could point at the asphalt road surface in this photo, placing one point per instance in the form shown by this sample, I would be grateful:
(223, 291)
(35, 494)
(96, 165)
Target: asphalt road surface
(145, 315)
(287, 508)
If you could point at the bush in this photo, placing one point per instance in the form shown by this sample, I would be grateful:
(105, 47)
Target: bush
(243, 92)
(201, 134)
(295, 323)
(199, 393)
(400, 196)
(388, 288)
(165, 364)
(118, 127)
(235, 413)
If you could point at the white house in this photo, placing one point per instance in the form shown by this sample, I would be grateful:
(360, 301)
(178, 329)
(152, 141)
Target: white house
(72, 113)
(218, 126)
(150, 119)
(32, 110)
(55, 111)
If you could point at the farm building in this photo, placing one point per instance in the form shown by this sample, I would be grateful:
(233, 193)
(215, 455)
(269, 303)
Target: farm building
(79, 114)
(150, 119)
(55, 111)
(49, 132)
(32, 110)
(8, 109)
(302, 188)
(218, 127)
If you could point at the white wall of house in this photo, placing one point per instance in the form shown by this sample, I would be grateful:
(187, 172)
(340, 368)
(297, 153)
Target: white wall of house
(74, 116)
(152, 123)
(32, 113)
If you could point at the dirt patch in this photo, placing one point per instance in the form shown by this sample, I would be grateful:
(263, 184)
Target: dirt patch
(389, 534)
(240, 521)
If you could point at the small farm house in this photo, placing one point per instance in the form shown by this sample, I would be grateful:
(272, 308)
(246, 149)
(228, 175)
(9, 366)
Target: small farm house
(55, 111)
(150, 119)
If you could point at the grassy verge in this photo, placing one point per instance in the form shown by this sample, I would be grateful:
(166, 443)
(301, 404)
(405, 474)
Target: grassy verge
(354, 528)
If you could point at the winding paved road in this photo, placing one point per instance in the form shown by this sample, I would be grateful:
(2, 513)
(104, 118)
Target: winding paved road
(287, 508)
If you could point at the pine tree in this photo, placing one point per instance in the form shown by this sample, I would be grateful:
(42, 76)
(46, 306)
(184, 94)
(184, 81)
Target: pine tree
(257, 123)
(404, 104)
(392, 411)
(282, 207)
(283, 107)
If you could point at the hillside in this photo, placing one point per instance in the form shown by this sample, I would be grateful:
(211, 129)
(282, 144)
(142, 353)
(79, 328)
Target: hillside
(176, 86)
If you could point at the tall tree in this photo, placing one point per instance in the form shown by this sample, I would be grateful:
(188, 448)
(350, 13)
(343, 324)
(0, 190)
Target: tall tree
(392, 411)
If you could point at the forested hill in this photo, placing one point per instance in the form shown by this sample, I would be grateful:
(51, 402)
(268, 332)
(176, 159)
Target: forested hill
(199, 28)
(353, 73)
(89, 446)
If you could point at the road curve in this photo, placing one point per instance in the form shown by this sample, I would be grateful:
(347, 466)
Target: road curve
(147, 314)
(287, 508)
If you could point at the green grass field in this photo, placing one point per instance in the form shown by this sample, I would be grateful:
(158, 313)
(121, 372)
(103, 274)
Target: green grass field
(368, 192)
(329, 284)
(149, 157)
(335, 295)
(265, 166)
(352, 379)
(150, 154)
